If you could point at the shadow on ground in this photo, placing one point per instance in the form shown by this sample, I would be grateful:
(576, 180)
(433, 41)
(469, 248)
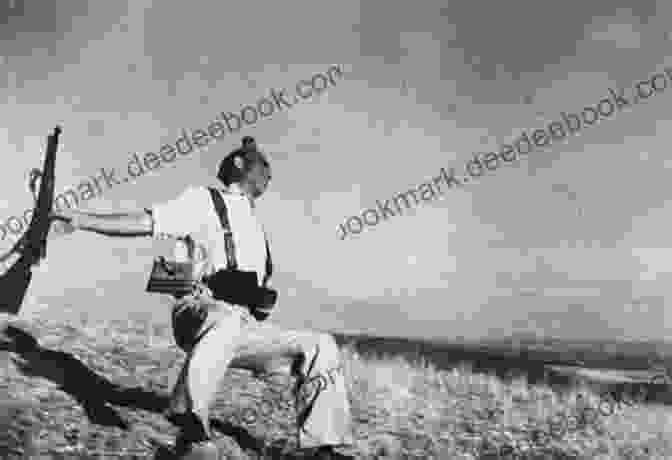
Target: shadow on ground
(96, 394)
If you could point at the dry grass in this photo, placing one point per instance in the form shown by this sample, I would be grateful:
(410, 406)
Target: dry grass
(400, 409)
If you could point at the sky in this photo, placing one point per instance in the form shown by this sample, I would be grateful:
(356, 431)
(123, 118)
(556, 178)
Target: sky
(571, 242)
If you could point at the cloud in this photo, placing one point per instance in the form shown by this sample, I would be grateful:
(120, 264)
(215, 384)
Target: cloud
(654, 261)
(623, 35)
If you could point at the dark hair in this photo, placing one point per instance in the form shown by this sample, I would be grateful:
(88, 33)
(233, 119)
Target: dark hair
(228, 172)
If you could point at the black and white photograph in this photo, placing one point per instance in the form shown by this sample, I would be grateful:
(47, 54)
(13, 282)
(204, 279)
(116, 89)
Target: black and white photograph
(370, 230)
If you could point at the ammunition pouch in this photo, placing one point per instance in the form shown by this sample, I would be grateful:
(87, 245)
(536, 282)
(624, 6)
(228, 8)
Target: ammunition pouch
(242, 288)
(170, 277)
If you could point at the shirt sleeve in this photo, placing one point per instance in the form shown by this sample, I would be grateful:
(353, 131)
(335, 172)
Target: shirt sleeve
(175, 218)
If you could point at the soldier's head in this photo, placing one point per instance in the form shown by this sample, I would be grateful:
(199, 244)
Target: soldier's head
(247, 167)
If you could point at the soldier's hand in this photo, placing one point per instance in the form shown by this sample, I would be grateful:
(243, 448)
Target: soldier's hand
(64, 222)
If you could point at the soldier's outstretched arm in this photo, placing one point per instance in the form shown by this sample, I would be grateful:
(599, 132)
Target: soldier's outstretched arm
(136, 223)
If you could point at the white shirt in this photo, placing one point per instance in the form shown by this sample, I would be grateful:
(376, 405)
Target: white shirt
(193, 213)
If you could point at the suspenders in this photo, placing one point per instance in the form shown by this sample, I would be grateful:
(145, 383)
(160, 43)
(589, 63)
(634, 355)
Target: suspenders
(269, 265)
(232, 263)
(223, 214)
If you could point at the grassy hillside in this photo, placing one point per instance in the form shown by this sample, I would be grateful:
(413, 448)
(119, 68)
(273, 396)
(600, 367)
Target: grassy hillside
(76, 387)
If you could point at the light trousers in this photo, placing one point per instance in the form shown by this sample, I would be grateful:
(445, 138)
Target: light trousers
(232, 338)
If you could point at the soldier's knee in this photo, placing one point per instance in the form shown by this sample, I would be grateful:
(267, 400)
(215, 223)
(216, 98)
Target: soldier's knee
(319, 349)
(327, 345)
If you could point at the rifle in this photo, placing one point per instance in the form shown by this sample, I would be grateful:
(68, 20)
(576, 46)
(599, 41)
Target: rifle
(32, 246)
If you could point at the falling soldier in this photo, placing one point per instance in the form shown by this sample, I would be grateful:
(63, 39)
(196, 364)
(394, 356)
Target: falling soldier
(222, 302)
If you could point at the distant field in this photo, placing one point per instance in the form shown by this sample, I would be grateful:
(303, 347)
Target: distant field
(52, 403)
